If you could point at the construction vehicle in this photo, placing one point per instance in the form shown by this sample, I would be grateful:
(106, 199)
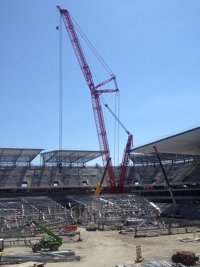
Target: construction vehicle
(185, 257)
(49, 242)
(97, 108)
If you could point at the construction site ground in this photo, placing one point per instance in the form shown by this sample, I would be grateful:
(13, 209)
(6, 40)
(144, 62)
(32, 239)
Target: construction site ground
(109, 248)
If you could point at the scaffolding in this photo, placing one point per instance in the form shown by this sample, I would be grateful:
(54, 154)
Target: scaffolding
(15, 213)
(109, 210)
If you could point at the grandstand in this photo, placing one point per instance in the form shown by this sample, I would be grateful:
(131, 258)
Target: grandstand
(60, 171)
(180, 156)
(67, 172)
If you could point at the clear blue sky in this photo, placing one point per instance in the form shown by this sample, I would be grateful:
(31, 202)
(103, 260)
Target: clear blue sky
(152, 46)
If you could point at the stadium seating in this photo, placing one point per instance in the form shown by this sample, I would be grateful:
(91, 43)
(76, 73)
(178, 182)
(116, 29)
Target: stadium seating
(17, 177)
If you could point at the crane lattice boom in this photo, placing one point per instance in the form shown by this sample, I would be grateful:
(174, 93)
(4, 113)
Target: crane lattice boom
(97, 109)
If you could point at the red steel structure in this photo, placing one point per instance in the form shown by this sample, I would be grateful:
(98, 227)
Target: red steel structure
(96, 104)
(125, 161)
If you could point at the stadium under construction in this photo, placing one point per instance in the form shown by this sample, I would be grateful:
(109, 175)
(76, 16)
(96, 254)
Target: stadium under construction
(73, 183)
(155, 190)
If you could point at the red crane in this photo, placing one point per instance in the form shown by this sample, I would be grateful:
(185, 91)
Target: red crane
(96, 104)
(126, 155)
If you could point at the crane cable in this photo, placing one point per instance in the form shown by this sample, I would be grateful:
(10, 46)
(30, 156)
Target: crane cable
(91, 46)
(117, 103)
(116, 129)
(118, 116)
(60, 88)
(117, 123)
(103, 63)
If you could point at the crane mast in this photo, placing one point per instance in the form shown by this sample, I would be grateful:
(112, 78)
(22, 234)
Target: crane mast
(96, 104)
(125, 162)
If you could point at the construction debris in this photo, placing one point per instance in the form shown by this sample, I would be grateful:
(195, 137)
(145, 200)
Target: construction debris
(188, 239)
(44, 257)
(158, 263)
(29, 264)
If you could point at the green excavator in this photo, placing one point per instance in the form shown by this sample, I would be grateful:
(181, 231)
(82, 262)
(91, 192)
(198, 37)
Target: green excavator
(50, 242)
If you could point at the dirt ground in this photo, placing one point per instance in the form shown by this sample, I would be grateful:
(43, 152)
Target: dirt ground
(108, 248)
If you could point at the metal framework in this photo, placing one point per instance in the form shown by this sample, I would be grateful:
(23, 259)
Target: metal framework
(167, 158)
(17, 156)
(111, 209)
(69, 157)
(16, 212)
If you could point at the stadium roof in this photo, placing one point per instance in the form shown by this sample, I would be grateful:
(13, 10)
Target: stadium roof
(187, 143)
(184, 144)
(69, 157)
(17, 156)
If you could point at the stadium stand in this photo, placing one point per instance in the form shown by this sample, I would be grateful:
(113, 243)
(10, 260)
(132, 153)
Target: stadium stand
(177, 173)
(66, 171)
(62, 174)
(180, 156)
(18, 172)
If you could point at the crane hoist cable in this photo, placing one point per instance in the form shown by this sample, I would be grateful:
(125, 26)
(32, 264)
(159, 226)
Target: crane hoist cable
(60, 86)
(116, 125)
(114, 115)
